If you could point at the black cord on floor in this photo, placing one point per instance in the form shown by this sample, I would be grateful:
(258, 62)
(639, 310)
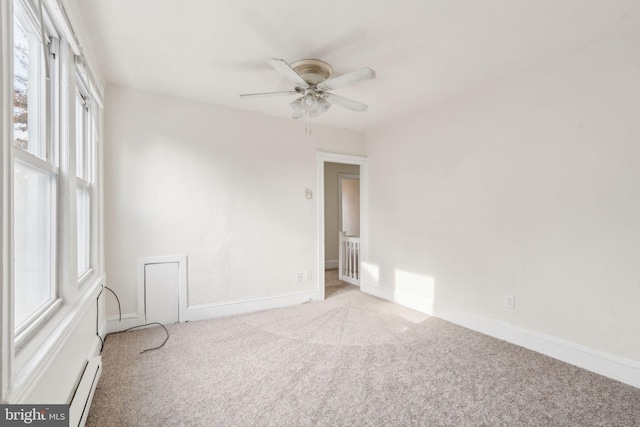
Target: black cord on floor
(133, 327)
(117, 299)
(148, 324)
(98, 320)
(101, 343)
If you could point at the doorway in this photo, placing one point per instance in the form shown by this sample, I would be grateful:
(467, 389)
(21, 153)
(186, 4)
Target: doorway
(342, 209)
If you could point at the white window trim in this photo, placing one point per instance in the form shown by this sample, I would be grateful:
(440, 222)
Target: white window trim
(6, 189)
(35, 322)
(39, 315)
(27, 355)
(37, 162)
(88, 181)
(48, 115)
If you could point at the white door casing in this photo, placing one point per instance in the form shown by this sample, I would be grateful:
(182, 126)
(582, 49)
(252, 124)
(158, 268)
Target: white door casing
(346, 159)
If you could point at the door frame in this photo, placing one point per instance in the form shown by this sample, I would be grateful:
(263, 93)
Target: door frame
(361, 161)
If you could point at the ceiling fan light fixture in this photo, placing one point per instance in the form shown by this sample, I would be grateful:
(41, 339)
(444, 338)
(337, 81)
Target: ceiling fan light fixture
(323, 106)
(309, 102)
(298, 111)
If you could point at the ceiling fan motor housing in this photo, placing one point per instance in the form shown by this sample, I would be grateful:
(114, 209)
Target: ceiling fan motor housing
(312, 71)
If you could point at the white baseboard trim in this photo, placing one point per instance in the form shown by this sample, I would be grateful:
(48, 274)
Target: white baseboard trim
(423, 305)
(620, 369)
(208, 311)
(129, 320)
(331, 265)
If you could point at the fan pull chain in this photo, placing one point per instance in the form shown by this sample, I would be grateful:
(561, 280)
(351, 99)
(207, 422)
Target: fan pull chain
(307, 126)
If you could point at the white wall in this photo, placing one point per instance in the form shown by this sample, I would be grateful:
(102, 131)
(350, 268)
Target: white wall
(225, 187)
(530, 187)
(331, 206)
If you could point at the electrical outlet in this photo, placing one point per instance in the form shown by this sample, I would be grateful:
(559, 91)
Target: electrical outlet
(510, 301)
(307, 275)
(299, 276)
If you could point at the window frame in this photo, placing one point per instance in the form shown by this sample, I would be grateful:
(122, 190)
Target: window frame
(26, 16)
(25, 355)
(86, 182)
(36, 316)
(48, 115)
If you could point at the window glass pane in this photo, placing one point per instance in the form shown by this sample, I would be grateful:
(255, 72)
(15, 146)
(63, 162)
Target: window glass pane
(84, 226)
(20, 85)
(34, 227)
(28, 97)
(80, 137)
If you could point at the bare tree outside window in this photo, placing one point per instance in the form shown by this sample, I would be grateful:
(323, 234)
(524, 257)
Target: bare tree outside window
(21, 86)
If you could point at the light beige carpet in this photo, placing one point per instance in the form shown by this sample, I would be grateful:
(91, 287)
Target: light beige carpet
(352, 360)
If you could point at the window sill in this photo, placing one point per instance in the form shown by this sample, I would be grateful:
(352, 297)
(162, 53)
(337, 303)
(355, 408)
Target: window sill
(85, 277)
(34, 326)
(47, 341)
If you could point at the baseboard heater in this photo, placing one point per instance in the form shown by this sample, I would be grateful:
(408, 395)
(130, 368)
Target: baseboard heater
(81, 400)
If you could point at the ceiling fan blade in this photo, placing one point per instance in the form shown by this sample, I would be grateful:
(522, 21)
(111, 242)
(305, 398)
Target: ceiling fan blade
(357, 76)
(283, 68)
(267, 94)
(345, 102)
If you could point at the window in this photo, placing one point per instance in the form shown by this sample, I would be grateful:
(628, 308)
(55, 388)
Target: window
(84, 181)
(35, 176)
(34, 237)
(53, 177)
(29, 99)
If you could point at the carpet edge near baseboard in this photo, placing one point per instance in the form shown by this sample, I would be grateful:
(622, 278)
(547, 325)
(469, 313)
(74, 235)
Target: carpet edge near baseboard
(617, 368)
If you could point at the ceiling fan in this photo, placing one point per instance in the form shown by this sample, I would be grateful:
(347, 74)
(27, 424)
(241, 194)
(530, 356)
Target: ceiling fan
(313, 82)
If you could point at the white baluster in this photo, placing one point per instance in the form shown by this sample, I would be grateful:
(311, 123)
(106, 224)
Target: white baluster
(355, 261)
(354, 273)
(345, 273)
(353, 264)
(349, 260)
(340, 255)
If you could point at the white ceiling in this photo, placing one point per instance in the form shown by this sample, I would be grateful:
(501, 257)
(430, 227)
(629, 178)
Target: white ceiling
(425, 52)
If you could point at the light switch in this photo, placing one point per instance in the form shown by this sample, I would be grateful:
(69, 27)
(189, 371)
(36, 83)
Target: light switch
(308, 194)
